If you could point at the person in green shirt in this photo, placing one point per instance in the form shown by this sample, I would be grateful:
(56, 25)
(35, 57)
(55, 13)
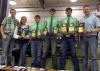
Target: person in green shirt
(50, 41)
(68, 40)
(36, 41)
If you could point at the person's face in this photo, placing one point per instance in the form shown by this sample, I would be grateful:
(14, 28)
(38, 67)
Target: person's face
(24, 20)
(51, 13)
(69, 12)
(37, 19)
(87, 11)
(13, 13)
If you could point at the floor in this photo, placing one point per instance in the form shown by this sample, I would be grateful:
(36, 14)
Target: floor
(69, 65)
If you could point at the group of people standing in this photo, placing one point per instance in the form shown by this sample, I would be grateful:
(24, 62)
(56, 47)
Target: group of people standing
(19, 34)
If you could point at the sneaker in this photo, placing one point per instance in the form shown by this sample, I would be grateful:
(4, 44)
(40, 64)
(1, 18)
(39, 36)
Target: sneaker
(34, 69)
(41, 69)
(2, 66)
(52, 70)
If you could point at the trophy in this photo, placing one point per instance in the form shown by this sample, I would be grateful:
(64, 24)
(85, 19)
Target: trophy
(45, 31)
(71, 28)
(55, 30)
(23, 34)
(63, 28)
(38, 34)
(81, 27)
(33, 34)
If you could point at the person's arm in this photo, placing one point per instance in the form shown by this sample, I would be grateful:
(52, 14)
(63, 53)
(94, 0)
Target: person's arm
(16, 36)
(27, 36)
(97, 22)
(2, 28)
(29, 31)
(42, 27)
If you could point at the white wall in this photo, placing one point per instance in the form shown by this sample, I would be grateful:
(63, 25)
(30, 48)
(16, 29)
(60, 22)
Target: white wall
(31, 12)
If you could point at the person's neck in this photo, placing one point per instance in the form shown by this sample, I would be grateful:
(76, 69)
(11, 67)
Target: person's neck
(23, 24)
(52, 16)
(12, 17)
(87, 15)
(68, 15)
(37, 22)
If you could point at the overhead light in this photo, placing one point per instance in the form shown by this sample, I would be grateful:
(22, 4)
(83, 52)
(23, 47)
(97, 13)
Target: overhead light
(12, 2)
(73, 0)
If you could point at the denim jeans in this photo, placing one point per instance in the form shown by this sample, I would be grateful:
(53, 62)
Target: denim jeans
(49, 42)
(22, 44)
(36, 52)
(68, 45)
(8, 45)
(91, 44)
(16, 54)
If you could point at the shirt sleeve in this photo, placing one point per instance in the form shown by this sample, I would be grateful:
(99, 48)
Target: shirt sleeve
(17, 22)
(30, 30)
(15, 33)
(4, 21)
(97, 21)
(77, 22)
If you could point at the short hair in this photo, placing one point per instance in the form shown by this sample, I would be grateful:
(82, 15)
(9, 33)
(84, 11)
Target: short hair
(12, 10)
(86, 6)
(67, 9)
(52, 10)
(37, 16)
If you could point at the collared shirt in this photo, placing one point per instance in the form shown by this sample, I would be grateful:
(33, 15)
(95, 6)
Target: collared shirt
(9, 25)
(19, 30)
(72, 20)
(55, 23)
(34, 26)
(69, 21)
(91, 22)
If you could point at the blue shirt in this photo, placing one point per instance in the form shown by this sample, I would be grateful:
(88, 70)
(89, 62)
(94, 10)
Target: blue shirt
(91, 22)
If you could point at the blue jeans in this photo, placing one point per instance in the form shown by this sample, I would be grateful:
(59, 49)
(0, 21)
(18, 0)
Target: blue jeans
(89, 43)
(68, 45)
(16, 54)
(8, 45)
(22, 44)
(49, 42)
(36, 52)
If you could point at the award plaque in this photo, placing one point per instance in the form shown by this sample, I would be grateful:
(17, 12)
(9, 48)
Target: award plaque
(23, 34)
(71, 28)
(55, 30)
(81, 28)
(63, 28)
(38, 33)
(45, 31)
(33, 34)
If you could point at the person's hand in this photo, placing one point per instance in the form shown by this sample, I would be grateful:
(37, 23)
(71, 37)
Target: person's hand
(20, 37)
(87, 31)
(67, 35)
(59, 34)
(26, 38)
